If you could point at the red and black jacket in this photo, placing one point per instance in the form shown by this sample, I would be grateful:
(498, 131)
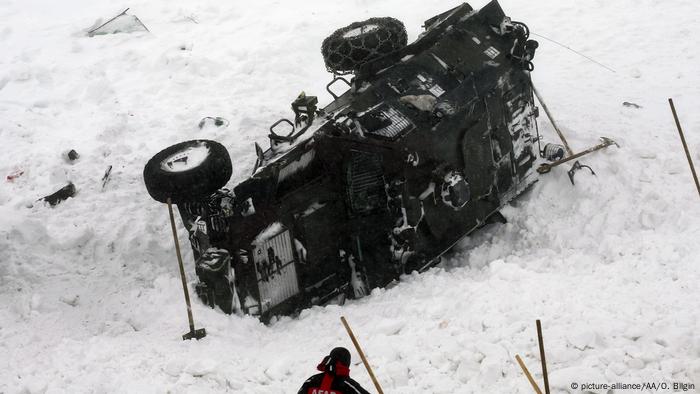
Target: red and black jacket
(334, 379)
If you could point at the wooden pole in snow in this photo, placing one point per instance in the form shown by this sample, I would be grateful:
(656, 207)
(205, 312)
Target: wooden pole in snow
(569, 152)
(544, 362)
(685, 145)
(362, 355)
(527, 374)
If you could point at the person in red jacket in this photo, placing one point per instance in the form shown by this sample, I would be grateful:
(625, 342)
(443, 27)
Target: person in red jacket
(334, 377)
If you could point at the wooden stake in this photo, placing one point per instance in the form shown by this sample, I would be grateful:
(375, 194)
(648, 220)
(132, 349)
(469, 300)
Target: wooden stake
(685, 145)
(544, 363)
(569, 152)
(362, 354)
(527, 374)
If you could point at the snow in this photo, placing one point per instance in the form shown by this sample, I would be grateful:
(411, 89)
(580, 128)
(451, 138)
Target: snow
(297, 165)
(90, 298)
(358, 31)
(186, 159)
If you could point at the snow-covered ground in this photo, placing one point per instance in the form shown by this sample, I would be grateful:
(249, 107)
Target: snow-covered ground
(90, 300)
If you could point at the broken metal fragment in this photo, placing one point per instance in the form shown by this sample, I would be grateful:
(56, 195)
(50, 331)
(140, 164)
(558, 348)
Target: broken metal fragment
(14, 175)
(63, 194)
(122, 23)
(105, 178)
(217, 121)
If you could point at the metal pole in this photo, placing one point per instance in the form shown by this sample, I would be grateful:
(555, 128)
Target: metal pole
(544, 363)
(527, 374)
(362, 354)
(182, 268)
(551, 119)
(685, 145)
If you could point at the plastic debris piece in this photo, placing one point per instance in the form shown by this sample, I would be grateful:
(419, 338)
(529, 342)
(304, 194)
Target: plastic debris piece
(631, 105)
(14, 175)
(122, 23)
(217, 121)
(61, 195)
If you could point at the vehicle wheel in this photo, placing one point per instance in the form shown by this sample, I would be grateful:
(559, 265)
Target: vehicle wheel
(187, 172)
(352, 46)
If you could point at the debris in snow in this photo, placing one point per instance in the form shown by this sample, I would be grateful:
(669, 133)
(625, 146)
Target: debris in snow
(217, 121)
(14, 175)
(631, 105)
(607, 273)
(63, 194)
(105, 178)
(122, 23)
(72, 301)
(71, 156)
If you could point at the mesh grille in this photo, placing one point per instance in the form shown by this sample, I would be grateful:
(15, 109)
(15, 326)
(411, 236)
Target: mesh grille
(398, 123)
(366, 182)
(348, 48)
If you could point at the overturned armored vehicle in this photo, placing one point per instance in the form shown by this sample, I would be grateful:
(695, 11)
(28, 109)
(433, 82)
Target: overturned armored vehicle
(426, 146)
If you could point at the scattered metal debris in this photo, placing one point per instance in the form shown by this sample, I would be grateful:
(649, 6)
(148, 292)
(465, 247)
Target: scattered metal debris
(556, 152)
(122, 23)
(105, 178)
(578, 166)
(14, 175)
(72, 156)
(631, 105)
(61, 195)
(217, 121)
(547, 167)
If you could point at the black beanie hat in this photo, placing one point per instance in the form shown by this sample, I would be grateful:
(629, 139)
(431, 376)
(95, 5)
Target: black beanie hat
(341, 355)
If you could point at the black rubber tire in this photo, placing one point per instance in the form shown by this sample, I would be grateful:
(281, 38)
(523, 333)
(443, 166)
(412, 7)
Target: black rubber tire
(194, 184)
(344, 55)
